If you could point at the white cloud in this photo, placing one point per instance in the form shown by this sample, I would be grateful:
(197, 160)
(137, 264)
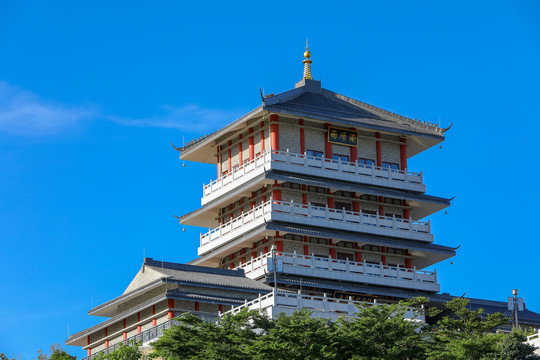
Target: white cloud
(25, 113)
(189, 118)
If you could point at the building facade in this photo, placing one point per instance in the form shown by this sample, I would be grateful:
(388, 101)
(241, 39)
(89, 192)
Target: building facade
(313, 206)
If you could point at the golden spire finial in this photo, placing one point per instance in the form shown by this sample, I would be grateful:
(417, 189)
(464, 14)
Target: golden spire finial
(307, 63)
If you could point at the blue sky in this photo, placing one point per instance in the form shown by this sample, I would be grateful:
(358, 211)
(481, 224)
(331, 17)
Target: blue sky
(92, 93)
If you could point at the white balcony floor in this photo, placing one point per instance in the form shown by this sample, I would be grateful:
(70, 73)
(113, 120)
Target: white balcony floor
(315, 216)
(315, 166)
(327, 268)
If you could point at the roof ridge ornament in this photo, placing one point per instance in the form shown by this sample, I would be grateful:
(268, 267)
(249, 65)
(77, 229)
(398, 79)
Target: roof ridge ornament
(307, 63)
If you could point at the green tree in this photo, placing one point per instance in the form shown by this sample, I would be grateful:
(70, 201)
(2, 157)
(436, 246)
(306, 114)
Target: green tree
(56, 352)
(383, 332)
(3, 356)
(512, 346)
(195, 339)
(124, 352)
(466, 335)
(298, 336)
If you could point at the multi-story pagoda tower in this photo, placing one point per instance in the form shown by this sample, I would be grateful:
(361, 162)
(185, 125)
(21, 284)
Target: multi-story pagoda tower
(318, 184)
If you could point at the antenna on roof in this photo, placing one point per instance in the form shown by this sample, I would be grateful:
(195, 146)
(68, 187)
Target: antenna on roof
(91, 302)
(68, 329)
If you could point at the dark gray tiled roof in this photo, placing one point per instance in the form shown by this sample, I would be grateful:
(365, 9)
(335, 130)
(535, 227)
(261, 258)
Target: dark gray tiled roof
(202, 275)
(347, 235)
(311, 101)
(366, 189)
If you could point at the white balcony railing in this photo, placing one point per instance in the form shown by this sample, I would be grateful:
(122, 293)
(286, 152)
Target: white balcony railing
(312, 165)
(321, 306)
(326, 267)
(318, 216)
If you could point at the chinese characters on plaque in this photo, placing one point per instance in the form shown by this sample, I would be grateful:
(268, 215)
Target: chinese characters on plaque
(342, 136)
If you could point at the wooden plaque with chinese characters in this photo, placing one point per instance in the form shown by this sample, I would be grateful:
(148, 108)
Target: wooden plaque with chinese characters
(342, 136)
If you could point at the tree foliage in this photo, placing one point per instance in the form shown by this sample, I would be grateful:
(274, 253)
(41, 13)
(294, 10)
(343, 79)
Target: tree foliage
(56, 352)
(389, 331)
(124, 352)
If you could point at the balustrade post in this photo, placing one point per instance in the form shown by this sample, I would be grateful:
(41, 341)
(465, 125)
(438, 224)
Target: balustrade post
(415, 278)
(397, 271)
(343, 214)
(364, 266)
(356, 167)
(393, 221)
(351, 306)
(292, 207)
(287, 160)
(329, 262)
(347, 265)
(295, 260)
(381, 269)
(435, 275)
(309, 209)
(312, 260)
(325, 303)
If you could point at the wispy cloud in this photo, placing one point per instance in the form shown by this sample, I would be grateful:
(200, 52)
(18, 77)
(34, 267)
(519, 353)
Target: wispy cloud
(25, 113)
(189, 118)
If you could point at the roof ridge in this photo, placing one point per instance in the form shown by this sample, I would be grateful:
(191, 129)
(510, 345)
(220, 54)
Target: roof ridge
(192, 268)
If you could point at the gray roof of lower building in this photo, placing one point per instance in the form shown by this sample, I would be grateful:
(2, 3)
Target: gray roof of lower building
(206, 276)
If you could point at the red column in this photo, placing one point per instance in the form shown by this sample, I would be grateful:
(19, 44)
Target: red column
(383, 257)
(106, 343)
(230, 156)
(196, 306)
(333, 254)
(240, 156)
(276, 192)
(138, 320)
(356, 204)
(403, 153)
(306, 247)
(331, 204)
(354, 150)
(278, 243)
(106, 332)
(262, 137)
(378, 149)
(302, 137)
(124, 334)
(89, 350)
(170, 305)
(327, 144)
(251, 145)
(406, 212)
(218, 162)
(243, 260)
(408, 263)
(265, 241)
(220, 308)
(357, 254)
(304, 195)
(381, 206)
(274, 132)
(253, 253)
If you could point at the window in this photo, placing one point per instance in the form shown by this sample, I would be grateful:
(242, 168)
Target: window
(318, 204)
(317, 189)
(340, 157)
(342, 205)
(391, 250)
(391, 166)
(225, 259)
(346, 244)
(369, 212)
(259, 243)
(291, 186)
(392, 201)
(371, 248)
(316, 240)
(294, 237)
(346, 194)
(368, 197)
(367, 162)
(315, 153)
